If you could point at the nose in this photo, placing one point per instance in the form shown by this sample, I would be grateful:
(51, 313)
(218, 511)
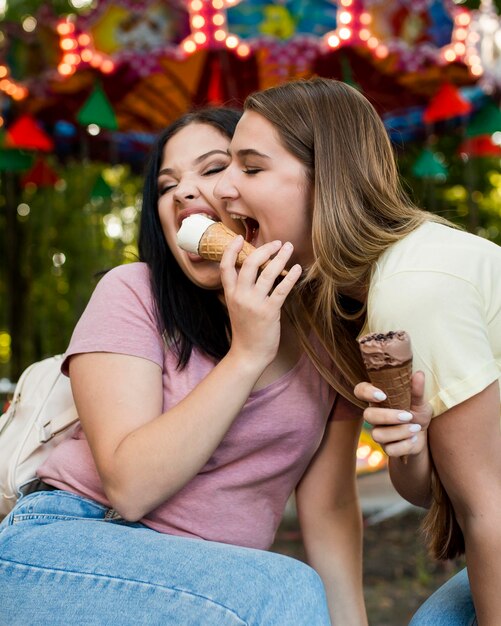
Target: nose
(186, 190)
(225, 188)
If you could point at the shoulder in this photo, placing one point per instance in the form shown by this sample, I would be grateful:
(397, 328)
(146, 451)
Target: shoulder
(135, 275)
(120, 316)
(435, 247)
(129, 281)
(435, 263)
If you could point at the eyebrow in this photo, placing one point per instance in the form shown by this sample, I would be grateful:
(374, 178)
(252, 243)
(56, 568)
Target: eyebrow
(249, 152)
(197, 161)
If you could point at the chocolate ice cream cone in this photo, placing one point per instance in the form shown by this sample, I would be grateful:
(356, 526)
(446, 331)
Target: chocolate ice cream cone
(388, 360)
(395, 381)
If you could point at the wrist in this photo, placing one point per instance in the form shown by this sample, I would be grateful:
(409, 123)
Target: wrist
(247, 365)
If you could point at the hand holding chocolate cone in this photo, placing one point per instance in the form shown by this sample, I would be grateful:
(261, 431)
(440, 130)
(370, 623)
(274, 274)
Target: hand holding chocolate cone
(201, 235)
(388, 360)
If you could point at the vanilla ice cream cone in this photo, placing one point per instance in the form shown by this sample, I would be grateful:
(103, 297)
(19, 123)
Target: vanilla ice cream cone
(201, 235)
(214, 241)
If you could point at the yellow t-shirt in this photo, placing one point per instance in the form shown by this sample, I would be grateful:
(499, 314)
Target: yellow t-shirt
(442, 286)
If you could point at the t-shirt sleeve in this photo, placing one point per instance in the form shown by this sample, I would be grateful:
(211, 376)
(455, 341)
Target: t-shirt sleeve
(343, 410)
(445, 318)
(120, 317)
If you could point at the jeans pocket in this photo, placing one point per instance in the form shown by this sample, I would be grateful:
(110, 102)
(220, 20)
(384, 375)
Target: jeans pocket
(50, 506)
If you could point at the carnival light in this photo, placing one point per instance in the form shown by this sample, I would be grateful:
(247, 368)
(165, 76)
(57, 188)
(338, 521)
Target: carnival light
(83, 39)
(483, 41)
(76, 45)
(333, 41)
(381, 51)
(370, 457)
(232, 41)
(243, 50)
(29, 24)
(365, 18)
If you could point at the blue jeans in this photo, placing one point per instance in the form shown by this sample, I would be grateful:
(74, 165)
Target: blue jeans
(64, 561)
(450, 605)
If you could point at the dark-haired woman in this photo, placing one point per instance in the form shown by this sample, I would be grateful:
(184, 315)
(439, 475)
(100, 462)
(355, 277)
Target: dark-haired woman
(200, 415)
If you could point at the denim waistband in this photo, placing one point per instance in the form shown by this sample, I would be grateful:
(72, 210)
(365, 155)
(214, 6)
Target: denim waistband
(49, 503)
(36, 485)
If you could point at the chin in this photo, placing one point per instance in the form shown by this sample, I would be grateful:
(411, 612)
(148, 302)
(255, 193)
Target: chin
(206, 280)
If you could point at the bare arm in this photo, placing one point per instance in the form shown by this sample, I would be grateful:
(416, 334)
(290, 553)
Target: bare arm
(465, 442)
(331, 522)
(144, 456)
(404, 437)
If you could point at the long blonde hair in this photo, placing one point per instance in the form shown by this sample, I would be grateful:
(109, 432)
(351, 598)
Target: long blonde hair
(359, 207)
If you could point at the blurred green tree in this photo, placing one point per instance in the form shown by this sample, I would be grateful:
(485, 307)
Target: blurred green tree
(56, 240)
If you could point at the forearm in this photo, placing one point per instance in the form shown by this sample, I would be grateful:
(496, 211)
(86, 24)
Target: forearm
(483, 547)
(157, 459)
(335, 551)
(411, 475)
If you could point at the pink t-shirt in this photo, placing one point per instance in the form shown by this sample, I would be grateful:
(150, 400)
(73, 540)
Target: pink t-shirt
(240, 495)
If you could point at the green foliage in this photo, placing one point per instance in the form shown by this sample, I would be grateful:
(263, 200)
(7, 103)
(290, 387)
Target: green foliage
(66, 236)
(17, 10)
(468, 195)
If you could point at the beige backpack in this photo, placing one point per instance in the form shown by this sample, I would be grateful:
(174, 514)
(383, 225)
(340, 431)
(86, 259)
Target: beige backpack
(42, 413)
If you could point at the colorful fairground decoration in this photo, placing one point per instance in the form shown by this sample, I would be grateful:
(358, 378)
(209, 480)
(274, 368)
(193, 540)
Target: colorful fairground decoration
(401, 36)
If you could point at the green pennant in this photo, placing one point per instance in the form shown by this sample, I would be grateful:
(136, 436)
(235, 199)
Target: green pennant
(427, 165)
(15, 161)
(98, 110)
(347, 73)
(101, 189)
(486, 121)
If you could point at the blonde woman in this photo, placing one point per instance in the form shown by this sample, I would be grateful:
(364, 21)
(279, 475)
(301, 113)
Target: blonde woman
(375, 262)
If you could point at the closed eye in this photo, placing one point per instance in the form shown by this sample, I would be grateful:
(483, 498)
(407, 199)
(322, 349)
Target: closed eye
(214, 170)
(250, 171)
(165, 189)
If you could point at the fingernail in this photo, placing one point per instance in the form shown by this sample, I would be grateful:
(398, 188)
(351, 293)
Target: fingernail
(405, 416)
(414, 428)
(288, 246)
(414, 439)
(379, 395)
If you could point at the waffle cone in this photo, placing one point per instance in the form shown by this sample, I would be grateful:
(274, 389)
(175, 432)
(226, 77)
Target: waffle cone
(214, 241)
(395, 381)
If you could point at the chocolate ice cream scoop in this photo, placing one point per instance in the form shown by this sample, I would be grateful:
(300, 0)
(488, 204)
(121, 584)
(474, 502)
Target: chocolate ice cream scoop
(388, 360)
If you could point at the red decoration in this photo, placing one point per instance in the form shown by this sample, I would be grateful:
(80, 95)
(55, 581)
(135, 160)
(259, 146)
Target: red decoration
(215, 91)
(480, 146)
(446, 104)
(27, 135)
(41, 175)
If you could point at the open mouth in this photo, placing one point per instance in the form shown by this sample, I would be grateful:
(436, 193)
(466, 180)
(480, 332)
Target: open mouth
(250, 224)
